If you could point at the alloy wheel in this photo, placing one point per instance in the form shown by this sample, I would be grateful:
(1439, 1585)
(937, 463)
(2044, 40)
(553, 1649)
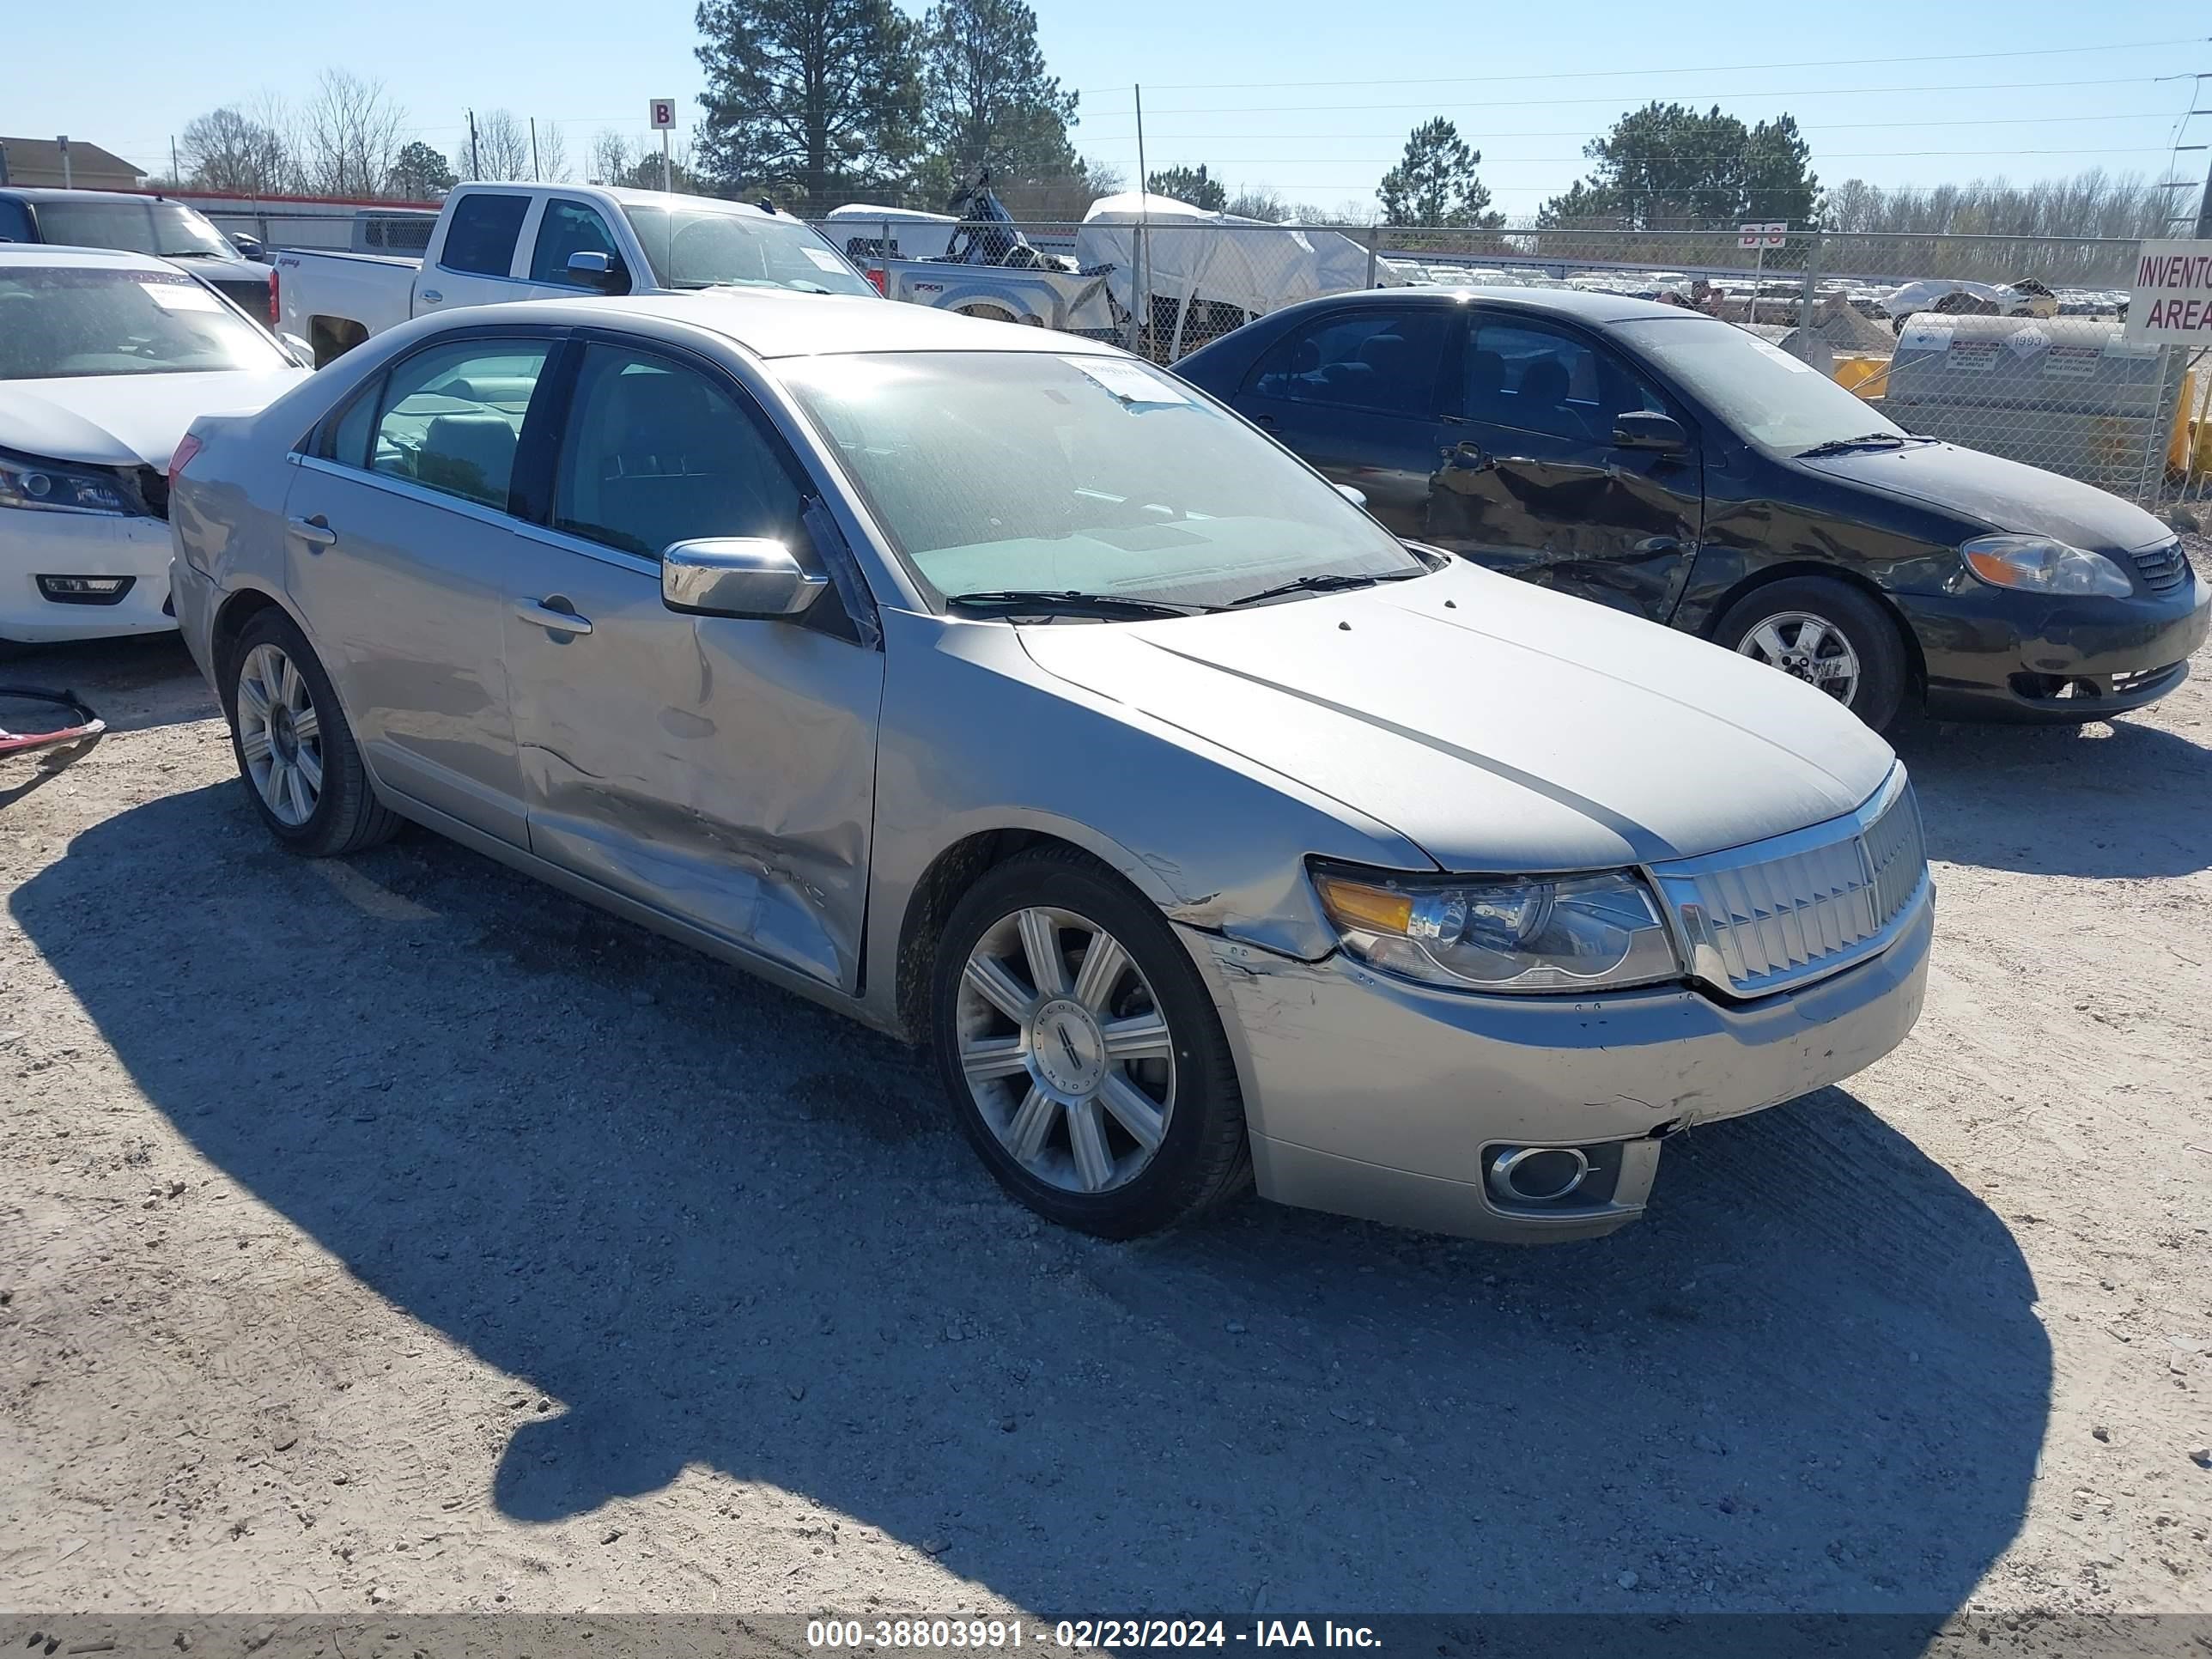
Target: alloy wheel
(1807, 648)
(280, 734)
(1065, 1050)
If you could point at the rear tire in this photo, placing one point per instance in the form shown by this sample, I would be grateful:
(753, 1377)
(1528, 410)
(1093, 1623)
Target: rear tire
(296, 756)
(1827, 634)
(1106, 1100)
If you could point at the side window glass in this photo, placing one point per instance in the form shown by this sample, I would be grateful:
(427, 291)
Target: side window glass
(481, 237)
(656, 453)
(345, 439)
(452, 417)
(567, 228)
(1537, 380)
(15, 223)
(1383, 361)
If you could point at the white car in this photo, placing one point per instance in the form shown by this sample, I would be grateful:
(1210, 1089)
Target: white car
(105, 359)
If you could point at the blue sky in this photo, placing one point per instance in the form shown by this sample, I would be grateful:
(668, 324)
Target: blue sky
(1312, 97)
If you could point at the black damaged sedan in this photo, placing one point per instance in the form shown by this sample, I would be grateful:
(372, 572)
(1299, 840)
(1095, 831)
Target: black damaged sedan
(1666, 463)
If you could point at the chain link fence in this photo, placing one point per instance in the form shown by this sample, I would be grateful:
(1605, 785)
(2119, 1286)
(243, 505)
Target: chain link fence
(2014, 345)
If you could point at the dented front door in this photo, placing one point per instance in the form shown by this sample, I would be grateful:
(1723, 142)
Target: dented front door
(721, 771)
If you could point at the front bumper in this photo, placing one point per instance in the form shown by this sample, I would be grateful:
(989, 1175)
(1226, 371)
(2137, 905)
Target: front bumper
(34, 544)
(1373, 1096)
(2007, 656)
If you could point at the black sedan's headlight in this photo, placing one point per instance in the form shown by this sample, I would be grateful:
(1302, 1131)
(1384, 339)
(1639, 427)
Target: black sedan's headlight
(1584, 932)
(61, 486)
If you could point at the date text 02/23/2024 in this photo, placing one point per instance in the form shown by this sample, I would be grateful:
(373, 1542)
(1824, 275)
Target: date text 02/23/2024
(1077, 1634)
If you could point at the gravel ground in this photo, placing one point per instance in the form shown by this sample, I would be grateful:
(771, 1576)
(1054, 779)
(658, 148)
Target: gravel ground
(400, 1234)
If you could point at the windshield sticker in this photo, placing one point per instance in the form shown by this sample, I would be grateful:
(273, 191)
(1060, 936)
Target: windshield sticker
(181, 296)
(1129, 382)
(825, 260)
(1780, 356)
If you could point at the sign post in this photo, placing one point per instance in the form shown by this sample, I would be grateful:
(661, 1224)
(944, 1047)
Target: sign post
(1762, 236)
(2172, 303)
(661, 112)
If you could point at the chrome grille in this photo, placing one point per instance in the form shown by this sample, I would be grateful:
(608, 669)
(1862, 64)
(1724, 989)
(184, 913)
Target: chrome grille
(1778, 912)
(2162, 569)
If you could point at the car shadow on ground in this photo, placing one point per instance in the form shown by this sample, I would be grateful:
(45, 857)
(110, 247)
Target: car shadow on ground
(721, 1229)
(134, 684)
(2108, 799)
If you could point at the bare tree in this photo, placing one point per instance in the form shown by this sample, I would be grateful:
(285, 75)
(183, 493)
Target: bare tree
(502, 146)
(229, 151)
(552, 151)
(353, 130)
(609, 157)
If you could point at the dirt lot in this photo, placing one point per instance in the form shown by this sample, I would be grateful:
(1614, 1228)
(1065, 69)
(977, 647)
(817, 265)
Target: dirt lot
(400, 1233)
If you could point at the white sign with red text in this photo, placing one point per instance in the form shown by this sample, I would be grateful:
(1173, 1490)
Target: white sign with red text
(1771, 233)
(661, 112)
(2172, 300)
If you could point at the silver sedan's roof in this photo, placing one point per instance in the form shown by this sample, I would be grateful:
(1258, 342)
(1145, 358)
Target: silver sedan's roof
(100, 258)
(781, 323)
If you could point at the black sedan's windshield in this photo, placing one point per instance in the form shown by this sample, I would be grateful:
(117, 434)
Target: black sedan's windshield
(1079, 475)
(1778, 402)
(62, 322)
(166, 228)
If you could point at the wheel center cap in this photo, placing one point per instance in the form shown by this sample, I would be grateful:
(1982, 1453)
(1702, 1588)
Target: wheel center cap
(281, 736)
(1068, 1048)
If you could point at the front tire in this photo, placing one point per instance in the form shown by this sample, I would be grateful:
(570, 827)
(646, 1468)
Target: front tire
(1081, 1052)
(1829, 634)
(296, 755)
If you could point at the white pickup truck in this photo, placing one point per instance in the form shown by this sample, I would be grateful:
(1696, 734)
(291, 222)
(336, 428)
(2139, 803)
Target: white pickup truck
(494, 242)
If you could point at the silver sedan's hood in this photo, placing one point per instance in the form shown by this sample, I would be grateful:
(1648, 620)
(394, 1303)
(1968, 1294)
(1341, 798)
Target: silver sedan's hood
(1498, 726)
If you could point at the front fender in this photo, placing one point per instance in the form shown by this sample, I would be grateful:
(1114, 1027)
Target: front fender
(976, 738)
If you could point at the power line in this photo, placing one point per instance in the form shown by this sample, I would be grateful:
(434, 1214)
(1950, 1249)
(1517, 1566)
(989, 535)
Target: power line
(1705, 68)
(1822, 156)
(1488, 134)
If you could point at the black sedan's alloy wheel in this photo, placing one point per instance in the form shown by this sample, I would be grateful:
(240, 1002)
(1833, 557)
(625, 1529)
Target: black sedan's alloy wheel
(1828, 635)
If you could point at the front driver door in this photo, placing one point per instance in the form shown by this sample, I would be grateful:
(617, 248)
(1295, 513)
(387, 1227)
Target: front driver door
(718, 770)
(1533, 485)
(1359, 393)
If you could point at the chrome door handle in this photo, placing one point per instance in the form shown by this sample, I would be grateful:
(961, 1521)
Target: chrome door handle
(315, 532)
(429, 296)
(551, 620)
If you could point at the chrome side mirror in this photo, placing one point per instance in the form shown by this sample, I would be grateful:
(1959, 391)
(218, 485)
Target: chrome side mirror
(737, 576)
(1357, 496)
(602, 271)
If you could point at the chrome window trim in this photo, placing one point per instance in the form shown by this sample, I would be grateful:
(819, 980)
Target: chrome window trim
(1676, 881)
(409, 490)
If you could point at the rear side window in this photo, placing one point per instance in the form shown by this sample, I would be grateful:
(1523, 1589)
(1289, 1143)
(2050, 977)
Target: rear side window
(451, 418)
(15, 223)
(1390, 361)
(482, 235)
(657, 452)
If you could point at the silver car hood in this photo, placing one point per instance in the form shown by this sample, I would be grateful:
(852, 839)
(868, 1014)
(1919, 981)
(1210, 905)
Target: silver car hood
(1499, 726)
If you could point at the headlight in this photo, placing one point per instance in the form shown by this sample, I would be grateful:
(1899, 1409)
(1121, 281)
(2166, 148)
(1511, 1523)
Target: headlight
(1545, 933)
(2043, 566)
(56, 487)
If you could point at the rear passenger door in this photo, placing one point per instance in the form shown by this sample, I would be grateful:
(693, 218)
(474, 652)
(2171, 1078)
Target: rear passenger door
(715, 769)
(476, 263)
(401, 537)
(1360, 393)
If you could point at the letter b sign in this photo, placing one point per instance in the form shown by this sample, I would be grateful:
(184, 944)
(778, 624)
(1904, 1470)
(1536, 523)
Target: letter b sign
(661, 112)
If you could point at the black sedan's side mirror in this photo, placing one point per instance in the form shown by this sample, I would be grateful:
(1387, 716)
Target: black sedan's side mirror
(1639, 428)
(601, 272)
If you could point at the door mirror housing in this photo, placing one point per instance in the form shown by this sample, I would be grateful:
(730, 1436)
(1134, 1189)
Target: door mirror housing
(601, 272)
(737, 576)
(249, 247)
(1352, 492)
(1639, 428)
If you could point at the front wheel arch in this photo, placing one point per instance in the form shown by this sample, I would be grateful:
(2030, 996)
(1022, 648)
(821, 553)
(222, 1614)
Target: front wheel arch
(1915, 666)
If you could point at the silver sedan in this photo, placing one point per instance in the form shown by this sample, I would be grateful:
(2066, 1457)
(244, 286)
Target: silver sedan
(996, 689)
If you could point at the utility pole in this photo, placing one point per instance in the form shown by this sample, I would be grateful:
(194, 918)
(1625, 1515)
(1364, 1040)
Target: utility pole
(63, 140)
(533, 149)
(2204, 209)
(175, 177)
(476, 164)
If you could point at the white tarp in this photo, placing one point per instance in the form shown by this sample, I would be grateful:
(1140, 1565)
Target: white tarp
(1191, 255)
(919, 235)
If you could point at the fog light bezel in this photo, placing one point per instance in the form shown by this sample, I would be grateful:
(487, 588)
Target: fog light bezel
(52, 594)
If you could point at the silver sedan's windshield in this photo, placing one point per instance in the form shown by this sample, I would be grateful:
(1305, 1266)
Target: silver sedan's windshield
(1770, 397)
(1034, 471)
